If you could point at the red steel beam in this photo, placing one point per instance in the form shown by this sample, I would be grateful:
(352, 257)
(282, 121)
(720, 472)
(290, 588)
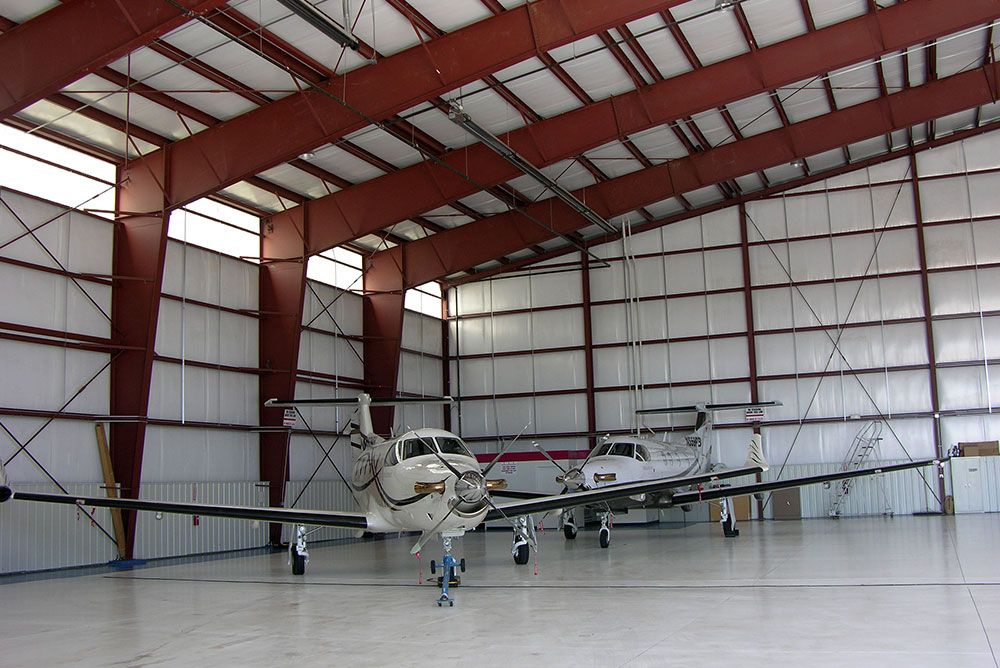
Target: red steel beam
(375, 204)
(221, 156)
(140, 243)
(478, 242)
(282, 282)
(383, 330)
(76, 38)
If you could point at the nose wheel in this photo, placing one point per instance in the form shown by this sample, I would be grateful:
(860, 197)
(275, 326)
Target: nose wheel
(520, 550)
(569, 526)
(604, 537)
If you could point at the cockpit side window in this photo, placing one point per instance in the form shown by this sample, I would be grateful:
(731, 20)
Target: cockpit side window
(622, 450)
(392, 456)
(414, 447)
(449, 445)
(641, 453)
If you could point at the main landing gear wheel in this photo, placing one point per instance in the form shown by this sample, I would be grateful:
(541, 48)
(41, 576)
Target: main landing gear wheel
(569, 531)
(521, 553)
(605, 537)
(298, 562)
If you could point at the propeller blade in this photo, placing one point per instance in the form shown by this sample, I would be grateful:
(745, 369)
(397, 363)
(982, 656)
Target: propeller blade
(537, 446)
(427, 535)
(504, 450)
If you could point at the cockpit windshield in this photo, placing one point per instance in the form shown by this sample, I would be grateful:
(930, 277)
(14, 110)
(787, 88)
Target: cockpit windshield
(448, 445)
(630, 450)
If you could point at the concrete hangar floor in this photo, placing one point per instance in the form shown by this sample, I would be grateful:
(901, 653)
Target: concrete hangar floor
(908, 591)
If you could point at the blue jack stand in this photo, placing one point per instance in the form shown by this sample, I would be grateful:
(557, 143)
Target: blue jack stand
(449, 564)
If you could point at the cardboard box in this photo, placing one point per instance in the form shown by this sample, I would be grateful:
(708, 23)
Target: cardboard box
(980, 449)
(786, 504)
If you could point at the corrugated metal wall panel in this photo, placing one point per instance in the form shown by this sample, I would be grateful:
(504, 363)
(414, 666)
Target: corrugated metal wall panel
(42, 536)
(320, 495)
(175, 535)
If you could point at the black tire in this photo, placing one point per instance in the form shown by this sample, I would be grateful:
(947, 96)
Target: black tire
(461, 565)
(433, 567)
(605, 538)
(569, 531)
(298, 563)
(521, 554)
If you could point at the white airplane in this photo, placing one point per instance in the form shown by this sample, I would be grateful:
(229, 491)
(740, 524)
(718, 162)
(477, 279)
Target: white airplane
(628, 459)
(424, 480)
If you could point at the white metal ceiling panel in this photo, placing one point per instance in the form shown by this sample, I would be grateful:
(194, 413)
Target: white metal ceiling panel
(446, 216)
(868, 148)
(487, 109)
(84, 129)
(104, 95)
(774, 21)
(749, 183)
(823, 162)
(409, 230)
(569, 174)
(295, 179)
(659, 144)
(714, 127)
(437, 124)
(804, 100)
(955, 122)
(485, 203)
(961, 52)
(990, 112)
(916, 60)
(244, 65)
(257, 198)
(20, 11)
(664, 208)
(754, 115)
(893, 71)
(593, 67)
(614, 160)
(855, 84)
(828, 12)
(626, 49)
(377, 141)
(714, 35)
(655, 39)
(338, 161)
(704, 196)
(164, 74)
(379, 25)
(450, 15)
(537, 87)
(783, 173)
(315, 44)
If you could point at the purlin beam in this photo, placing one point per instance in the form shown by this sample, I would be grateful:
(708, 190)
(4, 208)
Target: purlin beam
(475, 243)
(373, 205)
(59, 46)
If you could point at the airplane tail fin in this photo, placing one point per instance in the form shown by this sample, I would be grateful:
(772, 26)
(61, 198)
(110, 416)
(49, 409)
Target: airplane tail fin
(755, 453)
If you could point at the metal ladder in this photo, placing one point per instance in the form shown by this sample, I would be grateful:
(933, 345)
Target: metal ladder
(865, 445)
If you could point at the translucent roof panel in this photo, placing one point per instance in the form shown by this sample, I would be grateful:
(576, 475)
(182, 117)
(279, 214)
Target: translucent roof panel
(855, 84)
(659, 144)
(381, 143)
(804, 100)
(655, 39)
(828, 12)
(450, 15)
(774, 21)
(614, 160)
(102, 94)
(537, 87)
(755, 115)
(714, 35)
(593, 67)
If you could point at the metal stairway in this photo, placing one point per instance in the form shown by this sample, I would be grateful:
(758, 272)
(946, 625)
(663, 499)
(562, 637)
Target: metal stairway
(864, 448)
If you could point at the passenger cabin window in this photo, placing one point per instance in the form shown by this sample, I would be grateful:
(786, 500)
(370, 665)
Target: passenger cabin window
(414, 447)
(452, 446)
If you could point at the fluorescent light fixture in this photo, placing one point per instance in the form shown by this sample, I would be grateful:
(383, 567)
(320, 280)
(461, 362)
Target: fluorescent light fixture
(458, 115)
(308, 155)
(319, 20)
(798, 163)
(724, 5)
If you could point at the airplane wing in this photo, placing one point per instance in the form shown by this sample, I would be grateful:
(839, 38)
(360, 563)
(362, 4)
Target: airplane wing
(754, 488)
(290, 515)
(612, 492)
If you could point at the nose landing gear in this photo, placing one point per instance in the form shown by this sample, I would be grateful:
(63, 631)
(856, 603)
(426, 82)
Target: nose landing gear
(298, 553)
(605, 533)
(523, 528)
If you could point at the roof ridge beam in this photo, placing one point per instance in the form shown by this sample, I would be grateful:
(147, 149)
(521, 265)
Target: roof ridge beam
(467, 246)
(59, 46)
(373, 204)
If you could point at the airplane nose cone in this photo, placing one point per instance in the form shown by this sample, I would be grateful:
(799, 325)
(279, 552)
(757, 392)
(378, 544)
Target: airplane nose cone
(573, 478)
(471, 487)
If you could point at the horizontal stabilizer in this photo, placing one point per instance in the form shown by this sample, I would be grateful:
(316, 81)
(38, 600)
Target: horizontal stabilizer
(707, 407)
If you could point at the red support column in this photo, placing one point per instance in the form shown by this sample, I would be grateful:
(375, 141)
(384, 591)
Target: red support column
(588, 351)
(751, 341)
(928, 324)
(383, 330)
(283, 246)
(140, 244)
(445, 357)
